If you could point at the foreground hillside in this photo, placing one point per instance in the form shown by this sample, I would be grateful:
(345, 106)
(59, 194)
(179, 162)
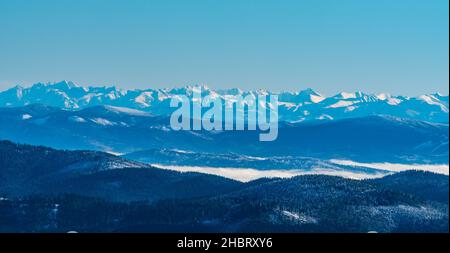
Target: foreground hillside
(26, 170)
(65, 196)
(303, 204)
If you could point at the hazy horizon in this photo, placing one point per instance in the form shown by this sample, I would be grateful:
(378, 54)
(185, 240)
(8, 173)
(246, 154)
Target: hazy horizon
(216, 89)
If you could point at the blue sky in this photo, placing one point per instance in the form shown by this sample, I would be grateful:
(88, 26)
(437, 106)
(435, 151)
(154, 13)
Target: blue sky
(400, 46)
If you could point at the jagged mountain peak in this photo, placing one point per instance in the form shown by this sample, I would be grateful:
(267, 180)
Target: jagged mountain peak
(64, 85)
(296, 106)
(232, 91)
(310, 91)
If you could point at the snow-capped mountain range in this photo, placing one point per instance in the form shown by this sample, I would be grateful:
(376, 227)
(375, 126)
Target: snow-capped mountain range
(293, 106)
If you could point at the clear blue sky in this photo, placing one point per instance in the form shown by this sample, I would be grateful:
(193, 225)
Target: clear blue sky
(400, 47)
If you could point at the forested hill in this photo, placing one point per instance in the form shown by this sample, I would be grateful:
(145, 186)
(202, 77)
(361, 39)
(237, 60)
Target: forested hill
(46, 190)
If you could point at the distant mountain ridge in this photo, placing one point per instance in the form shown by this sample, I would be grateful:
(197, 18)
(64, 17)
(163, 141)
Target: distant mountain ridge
(293, 106)
(123, 130)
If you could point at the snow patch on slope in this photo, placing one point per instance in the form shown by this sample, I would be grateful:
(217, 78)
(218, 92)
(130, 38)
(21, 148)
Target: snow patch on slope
(26, 116)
